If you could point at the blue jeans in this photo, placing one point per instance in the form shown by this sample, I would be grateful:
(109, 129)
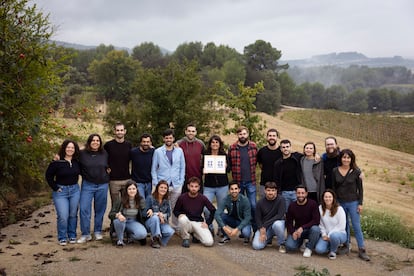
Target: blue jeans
(144, 189)
(158, 229)
(276, 229)
(312, 234)
(351, 211)
(335, 239)
(66, 204)
(250, 189)
(134, 229)
(232, 222)
(99, 194)
(219, 192)
(289, 196)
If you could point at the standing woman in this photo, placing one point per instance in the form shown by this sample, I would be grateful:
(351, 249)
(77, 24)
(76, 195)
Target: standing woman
(332, 225)
(95, 178)
(158, 211)
(347, 184)
(62, 176)
(127, 214)
(215, 184)
(312, 172)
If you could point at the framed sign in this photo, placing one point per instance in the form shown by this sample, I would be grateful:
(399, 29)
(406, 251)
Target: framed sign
(214, 164)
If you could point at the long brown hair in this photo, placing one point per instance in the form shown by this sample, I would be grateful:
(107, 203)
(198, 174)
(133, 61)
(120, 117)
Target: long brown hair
(351, 154)
(156, 194)
(125, 196)
(335, 203)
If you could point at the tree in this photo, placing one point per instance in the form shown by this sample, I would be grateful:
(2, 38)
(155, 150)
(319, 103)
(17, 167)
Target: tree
(115, 74)
(357, 101)
(188, 51)
(168, 97)
(262, 56)
(242, 107)
(148, 54)
(29, 88)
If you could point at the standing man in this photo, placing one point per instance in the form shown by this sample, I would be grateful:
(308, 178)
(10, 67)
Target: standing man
(288, 172)
(266, 158)
(302, 222)
(242, 163)
(270, 219)
(238, 218)
(193, 149)
(189, 210)
(330, 159)
(118, 160)
(168, 164)
(141, 158)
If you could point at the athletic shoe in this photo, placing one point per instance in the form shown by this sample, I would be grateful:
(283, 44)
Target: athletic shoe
(363, 254)
(98, 237)
(246, 241)
(120, 243)
(307, 253)
(63, 242)
(84, 239)
(332, 256)
(186, 243)
(155, 242)
(224, 241)
(72, 240)
(269, 243)
(282, 249)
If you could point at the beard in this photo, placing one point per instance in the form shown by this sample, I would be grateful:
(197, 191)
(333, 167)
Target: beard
(271, 142)
(301, 199)
(242, 140)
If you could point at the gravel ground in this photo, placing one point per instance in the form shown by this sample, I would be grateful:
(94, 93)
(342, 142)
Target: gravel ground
(30, 248)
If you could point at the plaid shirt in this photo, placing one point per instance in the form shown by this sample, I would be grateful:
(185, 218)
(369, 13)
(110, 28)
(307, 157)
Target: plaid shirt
(234, 161)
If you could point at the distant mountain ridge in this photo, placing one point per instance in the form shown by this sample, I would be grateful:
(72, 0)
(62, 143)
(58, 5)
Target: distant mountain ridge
(346, 59)
(88, 47)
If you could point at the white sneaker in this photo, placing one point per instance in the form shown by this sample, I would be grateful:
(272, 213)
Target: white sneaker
(282, 249)
(84, 239)
(307, 253)
(98, 236)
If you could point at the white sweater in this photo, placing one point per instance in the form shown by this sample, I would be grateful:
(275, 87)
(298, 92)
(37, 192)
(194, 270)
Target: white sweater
(330, 224)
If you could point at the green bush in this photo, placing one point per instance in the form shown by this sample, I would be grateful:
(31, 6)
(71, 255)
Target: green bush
(382, 226)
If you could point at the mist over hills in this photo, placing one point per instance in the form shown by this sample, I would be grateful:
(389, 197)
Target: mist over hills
(346, 59)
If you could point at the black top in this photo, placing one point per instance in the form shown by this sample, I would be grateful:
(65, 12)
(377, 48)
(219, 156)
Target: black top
(288, 172)
(141, 165)
(267, 158)
(62, 172)
(329, 163)
(94, 165)
(214, 180)
(118, 159)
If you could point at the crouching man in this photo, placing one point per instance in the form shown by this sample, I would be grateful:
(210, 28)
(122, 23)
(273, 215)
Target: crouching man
(189, 209)
(238, 217)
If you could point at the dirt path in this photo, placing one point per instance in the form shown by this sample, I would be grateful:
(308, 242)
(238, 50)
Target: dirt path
(39, 254)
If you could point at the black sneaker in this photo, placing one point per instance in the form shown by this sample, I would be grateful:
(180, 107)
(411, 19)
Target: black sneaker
(186, 243)
(246, 241)
(143, 242)
(224, 241)
(363, 254)
(155, 242)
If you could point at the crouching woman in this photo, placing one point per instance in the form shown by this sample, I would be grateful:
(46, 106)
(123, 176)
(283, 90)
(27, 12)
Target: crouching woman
(332, 225)
(127, 214)
(158, 211)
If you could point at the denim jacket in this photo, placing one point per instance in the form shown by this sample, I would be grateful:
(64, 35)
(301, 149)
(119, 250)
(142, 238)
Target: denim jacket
(243, 211)
(164, 207)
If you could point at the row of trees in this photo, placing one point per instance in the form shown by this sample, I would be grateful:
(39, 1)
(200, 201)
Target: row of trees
(337, 97)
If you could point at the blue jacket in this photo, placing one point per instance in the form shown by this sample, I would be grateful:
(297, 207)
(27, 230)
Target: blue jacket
(162, 169)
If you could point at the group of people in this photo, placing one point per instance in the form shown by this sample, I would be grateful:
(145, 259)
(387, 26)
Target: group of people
(171, 189)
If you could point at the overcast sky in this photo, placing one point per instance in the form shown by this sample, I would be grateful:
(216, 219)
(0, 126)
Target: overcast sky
(299, 28)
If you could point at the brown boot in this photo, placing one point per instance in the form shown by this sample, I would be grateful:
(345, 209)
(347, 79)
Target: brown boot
(363, 255)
